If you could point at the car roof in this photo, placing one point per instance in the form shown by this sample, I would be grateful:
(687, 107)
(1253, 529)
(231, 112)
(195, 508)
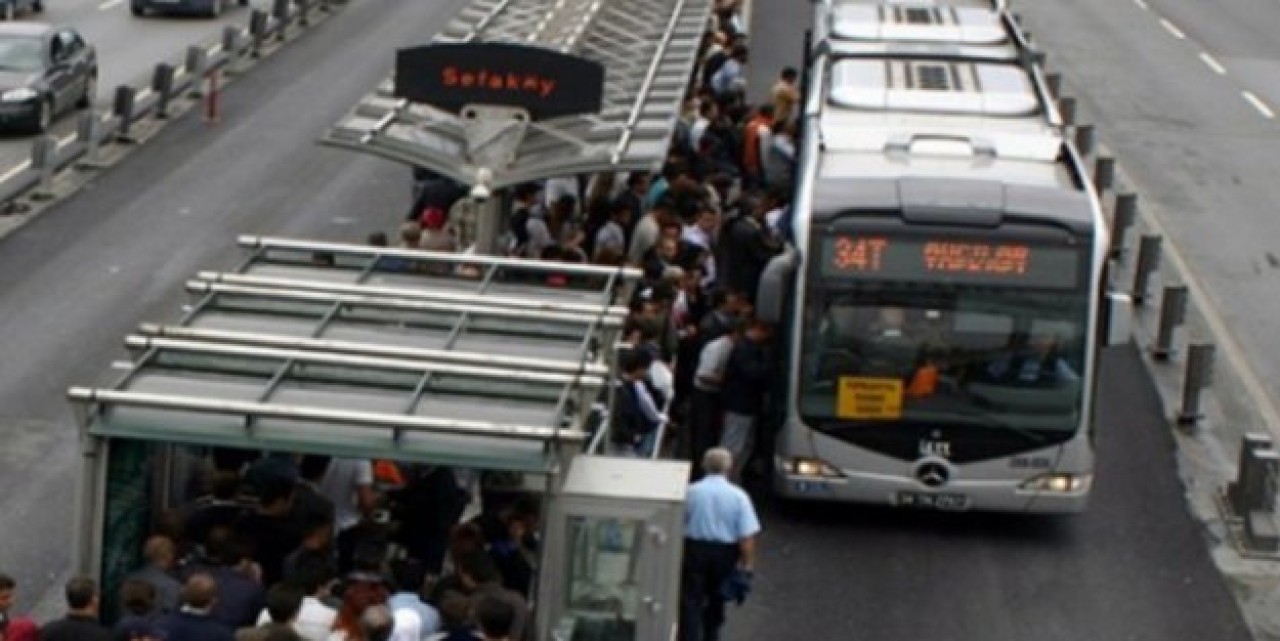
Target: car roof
(20, 28)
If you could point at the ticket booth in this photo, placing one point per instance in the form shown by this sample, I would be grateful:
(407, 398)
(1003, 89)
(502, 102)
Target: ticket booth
(614, 540)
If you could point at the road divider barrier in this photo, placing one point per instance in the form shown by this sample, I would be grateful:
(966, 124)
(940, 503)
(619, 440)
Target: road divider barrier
(137, 110)
(1199, 375)
(1123, 215)
(1149, 248)
(1250, 500)
(1173, 312)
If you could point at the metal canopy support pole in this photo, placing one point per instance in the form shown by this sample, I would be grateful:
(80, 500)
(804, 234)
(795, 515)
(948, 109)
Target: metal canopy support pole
(488, 226)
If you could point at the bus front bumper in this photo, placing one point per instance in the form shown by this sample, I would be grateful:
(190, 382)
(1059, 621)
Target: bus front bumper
(958, 495)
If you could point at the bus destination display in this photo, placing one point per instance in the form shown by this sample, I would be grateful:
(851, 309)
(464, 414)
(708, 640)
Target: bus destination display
(946, 260)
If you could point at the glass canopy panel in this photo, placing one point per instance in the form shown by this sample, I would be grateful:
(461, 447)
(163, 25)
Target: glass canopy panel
(256, 323)
(202, 384)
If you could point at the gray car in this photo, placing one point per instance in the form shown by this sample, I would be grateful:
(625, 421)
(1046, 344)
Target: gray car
(45, 70)
(9, 8)
(210, 8)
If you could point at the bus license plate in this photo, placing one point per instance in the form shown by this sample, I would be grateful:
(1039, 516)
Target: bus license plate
(933, 501)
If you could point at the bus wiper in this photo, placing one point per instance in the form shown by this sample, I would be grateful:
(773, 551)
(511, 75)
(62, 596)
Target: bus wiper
(989, 422)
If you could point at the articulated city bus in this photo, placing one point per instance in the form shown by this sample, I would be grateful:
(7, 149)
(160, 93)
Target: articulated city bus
(944, 299)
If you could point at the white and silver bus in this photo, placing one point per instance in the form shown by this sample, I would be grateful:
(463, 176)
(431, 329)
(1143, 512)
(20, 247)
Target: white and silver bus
(944, 297)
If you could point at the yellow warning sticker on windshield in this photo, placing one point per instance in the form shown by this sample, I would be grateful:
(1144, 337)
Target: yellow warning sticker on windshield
(869, 398)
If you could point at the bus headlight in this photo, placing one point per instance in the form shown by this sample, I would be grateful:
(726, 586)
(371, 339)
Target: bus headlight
(811, 467)
(1058, 483)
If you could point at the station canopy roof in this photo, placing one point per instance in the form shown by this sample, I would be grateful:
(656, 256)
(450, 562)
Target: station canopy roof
(647, 47)
(343, 350)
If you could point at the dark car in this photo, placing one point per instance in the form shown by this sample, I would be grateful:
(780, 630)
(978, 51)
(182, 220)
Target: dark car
(44, 71)
(211, 8)
(10, 8)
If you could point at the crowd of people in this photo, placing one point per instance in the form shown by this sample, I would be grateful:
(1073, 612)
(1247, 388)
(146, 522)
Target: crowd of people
(702, 231)
(313, 548)
(292, 548)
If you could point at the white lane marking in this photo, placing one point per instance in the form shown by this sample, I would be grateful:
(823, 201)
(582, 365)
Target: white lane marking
(1173, 30)
(66, 140)
(142, 94)
(1142, 4)
(17, 169)
(109, 4)
(1258, 104)
(1212, 64)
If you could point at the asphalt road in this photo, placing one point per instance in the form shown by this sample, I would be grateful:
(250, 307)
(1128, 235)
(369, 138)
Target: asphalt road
(74, 282)
(128, 50)
(1131, 568)
(1134, 567)
(1186, 94)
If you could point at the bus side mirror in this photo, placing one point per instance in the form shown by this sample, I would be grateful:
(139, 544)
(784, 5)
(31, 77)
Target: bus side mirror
(1119, 318)
(775, 287)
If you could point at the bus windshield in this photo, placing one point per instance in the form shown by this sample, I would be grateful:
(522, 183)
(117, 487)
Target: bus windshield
(966, 355)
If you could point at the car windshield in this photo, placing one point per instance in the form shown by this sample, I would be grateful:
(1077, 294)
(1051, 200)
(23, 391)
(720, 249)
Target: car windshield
(21, 53)
(986, 357)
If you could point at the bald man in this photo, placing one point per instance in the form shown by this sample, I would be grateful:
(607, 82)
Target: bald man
(193, 622)
(161, 559)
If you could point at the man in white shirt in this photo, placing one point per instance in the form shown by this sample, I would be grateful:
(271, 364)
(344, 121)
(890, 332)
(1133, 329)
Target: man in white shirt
(349, 484)
(708, 112)
(702, 233)
(314, 620)
(415, 620)
(705, 413)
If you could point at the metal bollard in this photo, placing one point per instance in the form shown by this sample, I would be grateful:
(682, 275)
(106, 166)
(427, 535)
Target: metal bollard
(162, 85)
(1173, 312)
(1148, 262)
(87, 125)
(197, 65)
(281, 12)
(1126, 212)
(304, 11)
(44, 159)
(257, 31)
(1199, 376)
(1053, 80)
(231, 40)
(1104, 173)
(124, 110)
(1084, 140)
(1242, 493)
(1067, 109)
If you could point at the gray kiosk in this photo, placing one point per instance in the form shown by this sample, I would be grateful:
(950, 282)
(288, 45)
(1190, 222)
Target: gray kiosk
(614, 539)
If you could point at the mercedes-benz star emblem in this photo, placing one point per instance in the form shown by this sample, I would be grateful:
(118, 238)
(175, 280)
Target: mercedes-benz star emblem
(933, 474)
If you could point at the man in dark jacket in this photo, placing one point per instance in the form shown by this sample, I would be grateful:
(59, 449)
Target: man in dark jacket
(194, 621)
(746, 246)
(745, 384)
(81, 622)
(636, 416)
(239, 595)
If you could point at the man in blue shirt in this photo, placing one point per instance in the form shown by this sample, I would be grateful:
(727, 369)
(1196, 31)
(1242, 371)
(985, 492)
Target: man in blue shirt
(720, 530)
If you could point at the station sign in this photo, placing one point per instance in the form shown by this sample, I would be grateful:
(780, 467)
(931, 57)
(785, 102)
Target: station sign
(546, 83)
